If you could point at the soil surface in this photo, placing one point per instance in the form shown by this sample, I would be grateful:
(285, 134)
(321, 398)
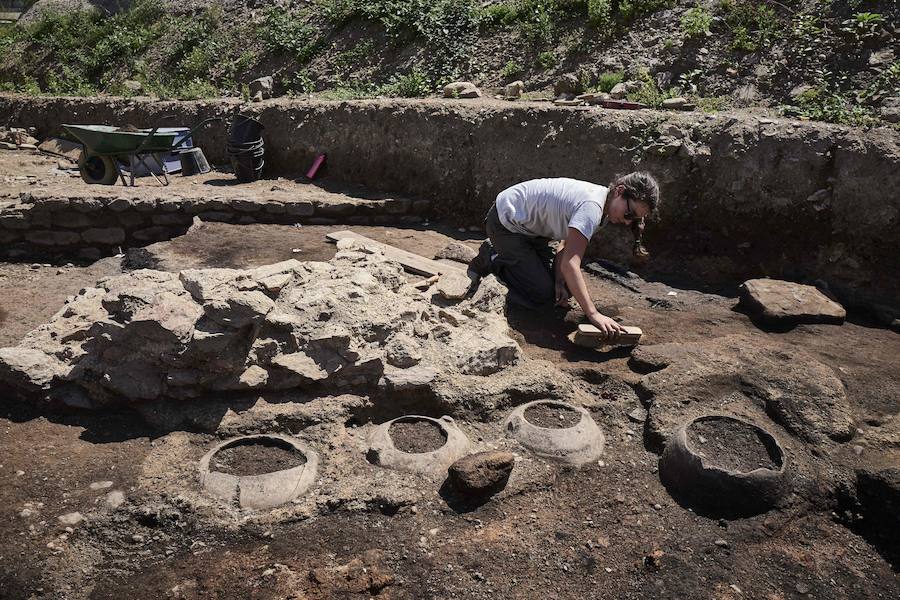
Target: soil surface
(608, 525)
(256, 458)
(417, 436)
(552, 416)
(731, 445)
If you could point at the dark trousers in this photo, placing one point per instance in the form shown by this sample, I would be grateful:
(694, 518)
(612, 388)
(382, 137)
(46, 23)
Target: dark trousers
(524, 263)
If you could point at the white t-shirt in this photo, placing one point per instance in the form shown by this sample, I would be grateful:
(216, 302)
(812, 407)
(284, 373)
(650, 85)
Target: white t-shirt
(548, 207)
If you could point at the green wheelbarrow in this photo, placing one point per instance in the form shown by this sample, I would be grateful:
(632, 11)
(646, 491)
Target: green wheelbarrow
(104, 145)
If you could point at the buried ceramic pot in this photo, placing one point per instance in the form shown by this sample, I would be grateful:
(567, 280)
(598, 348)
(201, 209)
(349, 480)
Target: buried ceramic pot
(576, 445)
(266, 490)
(703, 483)
(383, 452)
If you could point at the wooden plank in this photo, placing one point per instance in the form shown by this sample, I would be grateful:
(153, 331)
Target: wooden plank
(413, 263)
(591, 331)
(588, 335)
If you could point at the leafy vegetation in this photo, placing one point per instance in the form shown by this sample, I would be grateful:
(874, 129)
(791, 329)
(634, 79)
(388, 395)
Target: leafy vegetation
(823, 104)
(546, 60)
(607, 81)
(511, 69)
(411, 48)
(863, 25)
(86, 52)
(649, 92)
(752, 25)
(289, 33)
(600, 13)
(695, 22)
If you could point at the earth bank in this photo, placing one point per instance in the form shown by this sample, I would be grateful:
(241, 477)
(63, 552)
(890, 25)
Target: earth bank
(728, 181)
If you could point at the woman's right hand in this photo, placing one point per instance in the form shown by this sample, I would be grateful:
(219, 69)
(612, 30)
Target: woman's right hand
(606, 325)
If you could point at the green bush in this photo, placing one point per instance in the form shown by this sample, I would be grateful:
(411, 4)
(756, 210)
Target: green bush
(696, 22)
(511, 69)
(414, 84)
(600, 13)
(287, 33)
(863, 25)
(885, 84)
(607, 81)
(537, 20)
(649, 93)
(806, 34)
(498, 14)
(546, 60)
(449, 30)
(299, 83)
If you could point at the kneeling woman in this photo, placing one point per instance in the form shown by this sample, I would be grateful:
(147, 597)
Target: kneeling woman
(528, 215)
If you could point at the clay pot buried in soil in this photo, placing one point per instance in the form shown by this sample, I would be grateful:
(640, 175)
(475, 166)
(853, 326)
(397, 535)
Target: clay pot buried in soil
(724, 466)
(417, 444)
(259, 471)
(556, 430)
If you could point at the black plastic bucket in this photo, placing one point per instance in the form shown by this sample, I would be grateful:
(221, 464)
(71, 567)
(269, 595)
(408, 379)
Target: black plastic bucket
(245, 129)
(246, 168)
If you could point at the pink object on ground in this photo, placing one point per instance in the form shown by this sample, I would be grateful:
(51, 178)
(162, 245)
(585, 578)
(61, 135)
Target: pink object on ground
(320, 159)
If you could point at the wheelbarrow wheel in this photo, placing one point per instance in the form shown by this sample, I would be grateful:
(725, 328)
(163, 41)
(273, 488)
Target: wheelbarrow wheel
(98, 169)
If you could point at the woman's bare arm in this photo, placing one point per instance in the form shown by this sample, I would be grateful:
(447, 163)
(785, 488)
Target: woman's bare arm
(569, 266)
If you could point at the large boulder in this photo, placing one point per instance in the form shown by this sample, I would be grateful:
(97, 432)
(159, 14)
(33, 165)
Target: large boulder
(152, 334)
(778, 302)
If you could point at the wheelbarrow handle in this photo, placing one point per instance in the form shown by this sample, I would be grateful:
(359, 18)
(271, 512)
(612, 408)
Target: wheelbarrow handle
(153, 132)
(195, 128)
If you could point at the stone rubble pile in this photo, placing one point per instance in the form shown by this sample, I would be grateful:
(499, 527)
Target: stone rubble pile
(354, 321)
(23, 138)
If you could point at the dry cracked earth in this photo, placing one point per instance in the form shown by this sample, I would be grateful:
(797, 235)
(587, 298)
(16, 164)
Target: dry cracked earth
(145, 528)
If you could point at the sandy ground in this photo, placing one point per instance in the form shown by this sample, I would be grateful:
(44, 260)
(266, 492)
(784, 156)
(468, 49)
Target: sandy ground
(609, 528)
(24, 171)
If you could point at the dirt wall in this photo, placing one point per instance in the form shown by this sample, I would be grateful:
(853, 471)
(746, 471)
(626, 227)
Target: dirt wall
(743, 196)
(88, 227)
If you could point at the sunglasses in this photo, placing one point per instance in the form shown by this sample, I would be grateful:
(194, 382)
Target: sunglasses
(630, 215)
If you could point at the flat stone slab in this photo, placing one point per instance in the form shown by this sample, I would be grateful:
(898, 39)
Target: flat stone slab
(785, 303)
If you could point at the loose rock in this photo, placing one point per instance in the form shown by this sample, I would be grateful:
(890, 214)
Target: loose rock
(785, 303)
(453, 285)
(114, 499)
(458, 252)
(261, 88)
(481, 474)
(567, 85)
(461, 89)
(71, 519)
(514, 90)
